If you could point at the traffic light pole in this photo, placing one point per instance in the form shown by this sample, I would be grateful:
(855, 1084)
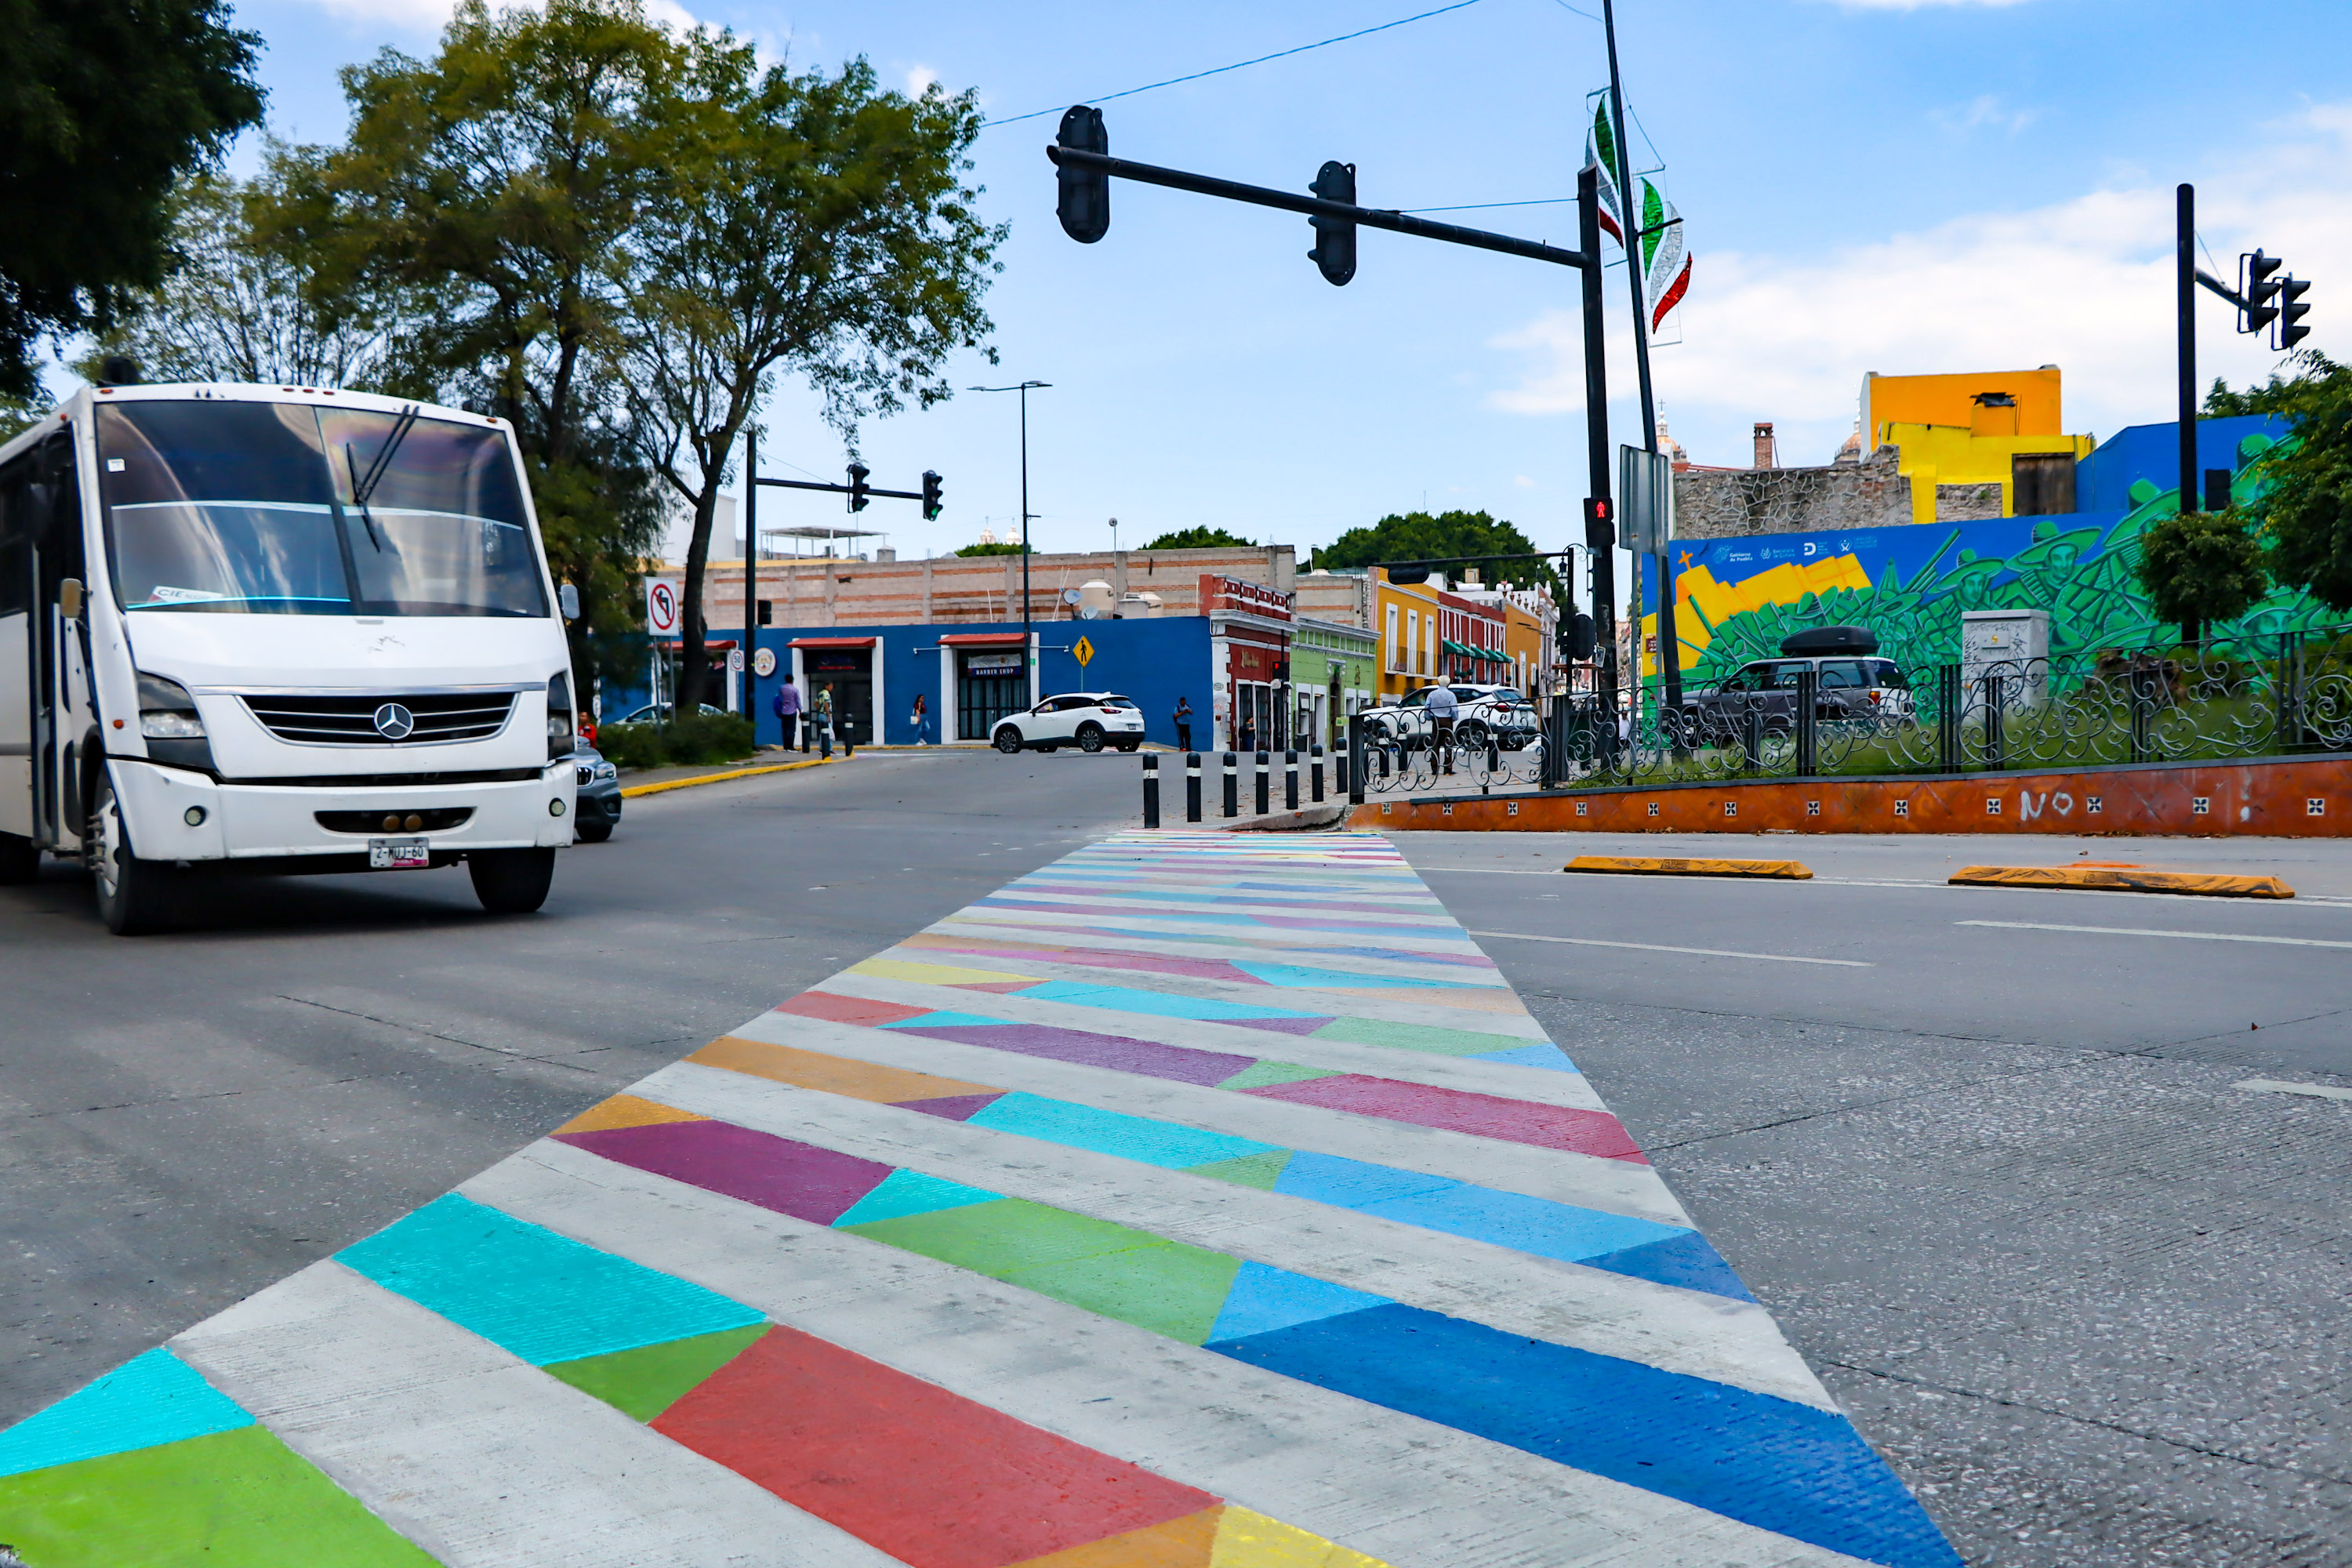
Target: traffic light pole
(1600, 525)
(2185, 288)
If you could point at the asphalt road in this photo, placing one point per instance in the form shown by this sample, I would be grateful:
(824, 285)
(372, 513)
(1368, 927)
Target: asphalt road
(187, 1117)
(1988, 1168)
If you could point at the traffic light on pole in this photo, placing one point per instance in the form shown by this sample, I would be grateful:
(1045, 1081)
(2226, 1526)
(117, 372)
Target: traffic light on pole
(1083, 205)
(858, 487)
(931, 504)
(2258, 288)
(1578, 638)
(2292, 310)
(1335, 238)
(1599, 523)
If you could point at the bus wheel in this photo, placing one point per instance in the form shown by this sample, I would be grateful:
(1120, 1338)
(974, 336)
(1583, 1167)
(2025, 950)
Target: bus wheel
(511, 881)
(134, 897)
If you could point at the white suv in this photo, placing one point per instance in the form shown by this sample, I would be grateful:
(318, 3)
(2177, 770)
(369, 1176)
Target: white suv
(1087, 719)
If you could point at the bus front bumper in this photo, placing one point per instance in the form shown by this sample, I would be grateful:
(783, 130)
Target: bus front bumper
(175, 815)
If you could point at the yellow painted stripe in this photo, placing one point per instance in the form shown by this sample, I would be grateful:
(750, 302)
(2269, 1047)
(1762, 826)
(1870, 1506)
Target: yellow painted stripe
(1665, 865)
(2122, 879)
(634, 790)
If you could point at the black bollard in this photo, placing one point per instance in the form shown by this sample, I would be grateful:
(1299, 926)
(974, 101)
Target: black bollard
(1150, 791)
(1315, 772)
(1233, 787)
(1263, 806)
(1191, 786)
(1290, 780)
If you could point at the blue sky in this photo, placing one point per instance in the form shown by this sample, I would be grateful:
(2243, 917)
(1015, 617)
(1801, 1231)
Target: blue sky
(1865, 186)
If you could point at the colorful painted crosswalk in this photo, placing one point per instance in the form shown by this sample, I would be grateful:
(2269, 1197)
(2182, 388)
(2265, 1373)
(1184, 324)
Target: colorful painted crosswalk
(1199, 1201)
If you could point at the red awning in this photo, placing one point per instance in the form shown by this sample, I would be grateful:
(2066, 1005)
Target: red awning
(708, 646)
(984, 639)
(833, 642)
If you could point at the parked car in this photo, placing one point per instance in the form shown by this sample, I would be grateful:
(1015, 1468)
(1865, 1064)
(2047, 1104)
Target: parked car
(597, 809)
(1500, 713)
(1087, 719)
(659, 713)
(1851, 683)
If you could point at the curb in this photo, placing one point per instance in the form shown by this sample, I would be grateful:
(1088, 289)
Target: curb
(633, 791)
(1665, 865)
(1306, 816)
(2121, 879)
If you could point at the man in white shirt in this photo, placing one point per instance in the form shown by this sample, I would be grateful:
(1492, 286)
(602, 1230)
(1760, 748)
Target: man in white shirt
(1442, 709)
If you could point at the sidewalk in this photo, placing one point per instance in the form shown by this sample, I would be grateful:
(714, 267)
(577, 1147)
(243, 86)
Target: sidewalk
(1200, 1199)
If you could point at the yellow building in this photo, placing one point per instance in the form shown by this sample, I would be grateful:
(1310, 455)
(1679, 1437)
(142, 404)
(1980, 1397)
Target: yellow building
(1427, 635)
(1982, 427)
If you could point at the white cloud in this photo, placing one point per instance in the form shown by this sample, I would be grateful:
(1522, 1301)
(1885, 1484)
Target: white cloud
(429, 15)
(2086, 284)
(1983, 109)
(920, 79)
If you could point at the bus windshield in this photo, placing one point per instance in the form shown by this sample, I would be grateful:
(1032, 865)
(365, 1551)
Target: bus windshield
(224, 507)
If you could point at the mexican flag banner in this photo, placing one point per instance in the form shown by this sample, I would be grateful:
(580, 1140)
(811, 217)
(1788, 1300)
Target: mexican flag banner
(1601, 156)
(1665, 262)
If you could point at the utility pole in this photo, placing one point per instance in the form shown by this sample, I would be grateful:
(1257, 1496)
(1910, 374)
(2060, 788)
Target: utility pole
(2185, 290)
(752, 580)
(1670, 663)
(1023, 388)
(1599, 523)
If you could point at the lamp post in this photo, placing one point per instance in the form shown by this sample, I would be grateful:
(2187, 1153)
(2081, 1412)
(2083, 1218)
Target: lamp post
(1023, 388)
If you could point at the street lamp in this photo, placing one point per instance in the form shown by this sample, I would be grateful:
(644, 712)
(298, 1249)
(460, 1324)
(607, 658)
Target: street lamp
(1023, 388)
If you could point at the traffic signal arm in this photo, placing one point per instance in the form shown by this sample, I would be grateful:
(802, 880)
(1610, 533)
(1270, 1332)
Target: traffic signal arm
(1073, 158)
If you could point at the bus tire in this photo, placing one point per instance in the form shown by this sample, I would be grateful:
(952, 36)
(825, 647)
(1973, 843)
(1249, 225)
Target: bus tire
(511, 881)
(19, 861)
(135, 896)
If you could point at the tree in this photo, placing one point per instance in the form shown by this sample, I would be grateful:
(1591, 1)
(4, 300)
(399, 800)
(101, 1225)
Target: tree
(1447, 536)
(993, 547)
(104, 104)
(811, 224)
(2198, 567)
(2304, 506)
(1202, 537)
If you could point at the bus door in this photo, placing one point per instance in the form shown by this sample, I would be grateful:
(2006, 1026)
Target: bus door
(44, 511)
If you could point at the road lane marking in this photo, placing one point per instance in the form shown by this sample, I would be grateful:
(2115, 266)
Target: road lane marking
(2272, 1086)
(2138, 931)
(1699, 952)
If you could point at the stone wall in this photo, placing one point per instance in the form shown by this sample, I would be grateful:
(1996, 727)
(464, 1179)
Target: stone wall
(1733, 503)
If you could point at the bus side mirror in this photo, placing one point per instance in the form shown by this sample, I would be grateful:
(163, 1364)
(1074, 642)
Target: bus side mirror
(69, 598)
(567, 598)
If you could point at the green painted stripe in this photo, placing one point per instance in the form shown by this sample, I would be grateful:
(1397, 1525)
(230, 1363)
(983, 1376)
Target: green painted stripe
(644, 1382)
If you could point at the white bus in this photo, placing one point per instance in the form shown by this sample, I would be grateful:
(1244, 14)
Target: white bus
(262, 628)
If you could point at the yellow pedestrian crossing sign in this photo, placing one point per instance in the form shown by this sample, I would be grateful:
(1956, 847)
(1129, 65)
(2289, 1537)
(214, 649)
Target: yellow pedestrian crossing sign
(1085, 652)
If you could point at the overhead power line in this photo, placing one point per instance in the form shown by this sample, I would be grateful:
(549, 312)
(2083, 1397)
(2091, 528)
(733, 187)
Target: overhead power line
(1242, 65)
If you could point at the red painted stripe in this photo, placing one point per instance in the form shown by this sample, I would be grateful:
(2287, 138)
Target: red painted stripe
(852, 1009)
(1459, 1110)
(933, 1479)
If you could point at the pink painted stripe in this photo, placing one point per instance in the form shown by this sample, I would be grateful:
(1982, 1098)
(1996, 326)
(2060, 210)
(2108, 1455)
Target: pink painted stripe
(1592, 1133)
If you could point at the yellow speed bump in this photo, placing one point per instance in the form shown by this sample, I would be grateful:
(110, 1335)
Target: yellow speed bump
(633, 791)
(1670, 866)
(2113, 879)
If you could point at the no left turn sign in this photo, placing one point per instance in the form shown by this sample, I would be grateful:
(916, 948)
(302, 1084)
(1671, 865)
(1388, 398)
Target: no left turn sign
(661, 607)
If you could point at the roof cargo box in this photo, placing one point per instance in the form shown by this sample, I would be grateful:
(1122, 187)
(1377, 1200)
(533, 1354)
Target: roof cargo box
(1818, 641)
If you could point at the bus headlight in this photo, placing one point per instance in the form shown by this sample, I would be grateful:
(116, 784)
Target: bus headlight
(166, 712)
(559, 717)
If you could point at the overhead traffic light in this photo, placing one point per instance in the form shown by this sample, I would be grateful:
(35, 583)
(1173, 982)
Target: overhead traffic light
(2258, 288)
(1404, 576)
(2291, 312)
(1578, 638)
(859, 489)
(931, 504)
(1335, 238)
(1083, 206)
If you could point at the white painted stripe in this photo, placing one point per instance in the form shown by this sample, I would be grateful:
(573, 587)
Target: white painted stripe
(2148, 931)
(1542, 1085)
(1433, 913)
(2273, 1086)
(1615, 1187)
(1409, 1491)
(1688, 1331)
(482, 1459)
(1304, 948)
(1662, 947)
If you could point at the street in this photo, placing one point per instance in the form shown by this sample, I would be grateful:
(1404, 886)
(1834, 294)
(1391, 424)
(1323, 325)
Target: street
(1978, 1150)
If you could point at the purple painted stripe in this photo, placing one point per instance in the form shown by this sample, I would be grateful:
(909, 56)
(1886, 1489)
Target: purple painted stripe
(798, 1179)
(955, 1107)
(1180, 1063)
(1280, 1025)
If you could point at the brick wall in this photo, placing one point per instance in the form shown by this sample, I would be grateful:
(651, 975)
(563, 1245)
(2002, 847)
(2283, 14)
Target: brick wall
(1733, 503)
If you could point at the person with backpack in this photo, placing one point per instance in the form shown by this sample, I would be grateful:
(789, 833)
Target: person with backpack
(787, 706)
(821, 721)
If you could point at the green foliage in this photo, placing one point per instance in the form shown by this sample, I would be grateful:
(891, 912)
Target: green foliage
(600, 518)
(2305, 508)
(2201, 566)
(1449, 535)
(691, 738)
(992, 548)
(1200, 538)
(104, 104)
(2280, 394)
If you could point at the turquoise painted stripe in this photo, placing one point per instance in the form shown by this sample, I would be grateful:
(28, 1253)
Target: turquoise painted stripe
(1164, 1143)
(1326, 979)
(1159, 1003)
(905, 1191)
(1523, 1223)
(541, 1296)
(1551, 1056)
(941, 1021)
(150, 1399)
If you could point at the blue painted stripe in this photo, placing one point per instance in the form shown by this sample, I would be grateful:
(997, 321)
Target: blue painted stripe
(904, 1191)
(1772, 1463)
(1551, 1056)
(942, 1021)
(1298, 974)
(541, 1296)
(1687, 1260)
(1164, 1143)
(149, 1399)
(1263, 1299)
(1157, 1003)
(1523, 1223)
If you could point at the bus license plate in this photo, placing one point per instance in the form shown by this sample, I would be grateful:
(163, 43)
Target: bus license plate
(399, 854)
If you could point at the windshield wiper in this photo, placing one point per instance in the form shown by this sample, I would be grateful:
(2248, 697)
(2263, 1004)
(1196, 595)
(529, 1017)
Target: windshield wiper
(362, 489)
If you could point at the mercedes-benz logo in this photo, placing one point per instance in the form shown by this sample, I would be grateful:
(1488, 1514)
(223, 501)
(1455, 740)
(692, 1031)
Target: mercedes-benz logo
(393, 722)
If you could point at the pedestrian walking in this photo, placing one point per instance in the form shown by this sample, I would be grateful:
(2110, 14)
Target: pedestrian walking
(787, 705)
(1443, 710)
(822, 722)
(921, 719)
(1249, 732)
(1183, 725)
